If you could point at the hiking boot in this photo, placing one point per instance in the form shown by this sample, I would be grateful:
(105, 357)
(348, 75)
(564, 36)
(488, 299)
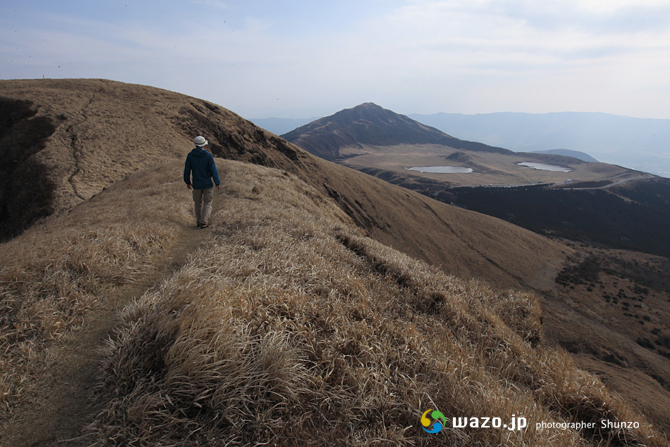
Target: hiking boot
(203, 225)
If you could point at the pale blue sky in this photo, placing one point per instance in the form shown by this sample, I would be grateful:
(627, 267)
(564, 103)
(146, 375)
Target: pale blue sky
(302, 59)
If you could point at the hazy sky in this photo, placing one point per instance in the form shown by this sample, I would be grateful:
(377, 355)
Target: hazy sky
(302, 59)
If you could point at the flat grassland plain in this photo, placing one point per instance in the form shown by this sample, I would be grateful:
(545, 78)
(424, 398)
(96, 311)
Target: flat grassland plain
(488, 168)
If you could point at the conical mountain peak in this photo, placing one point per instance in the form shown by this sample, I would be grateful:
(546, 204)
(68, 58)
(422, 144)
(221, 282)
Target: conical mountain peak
(370, 124)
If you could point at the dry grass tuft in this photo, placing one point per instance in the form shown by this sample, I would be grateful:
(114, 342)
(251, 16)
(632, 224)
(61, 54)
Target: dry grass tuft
(54, 274)
(291, 328)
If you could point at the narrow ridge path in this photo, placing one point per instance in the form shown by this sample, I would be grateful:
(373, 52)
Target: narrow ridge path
(58, 410)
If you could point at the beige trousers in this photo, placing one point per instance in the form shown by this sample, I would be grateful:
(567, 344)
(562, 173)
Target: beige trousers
(203, 204)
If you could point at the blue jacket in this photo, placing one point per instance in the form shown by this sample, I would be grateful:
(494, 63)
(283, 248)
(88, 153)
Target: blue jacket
(201, 163)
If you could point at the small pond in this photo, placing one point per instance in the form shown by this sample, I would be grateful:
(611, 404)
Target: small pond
(544, 166)
(442, 169)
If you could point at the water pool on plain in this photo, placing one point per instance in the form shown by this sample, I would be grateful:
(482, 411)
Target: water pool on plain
(544, 166)
(442, 169)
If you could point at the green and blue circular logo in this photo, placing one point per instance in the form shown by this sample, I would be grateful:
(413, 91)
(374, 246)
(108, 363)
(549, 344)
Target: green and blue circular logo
(433, 425)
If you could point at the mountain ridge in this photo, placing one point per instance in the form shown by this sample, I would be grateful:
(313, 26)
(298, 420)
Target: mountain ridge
(80, 156)
(369, 123)
(614, 203)
(381, 142)
(107, 131)
(570, 153)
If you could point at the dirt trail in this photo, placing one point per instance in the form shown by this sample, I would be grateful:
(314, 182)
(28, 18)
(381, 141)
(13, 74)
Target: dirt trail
(55, 413)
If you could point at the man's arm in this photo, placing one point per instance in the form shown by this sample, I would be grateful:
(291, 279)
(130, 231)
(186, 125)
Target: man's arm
(214, 172)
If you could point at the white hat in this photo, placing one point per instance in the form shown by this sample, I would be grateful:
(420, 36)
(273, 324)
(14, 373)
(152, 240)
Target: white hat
(200, 141)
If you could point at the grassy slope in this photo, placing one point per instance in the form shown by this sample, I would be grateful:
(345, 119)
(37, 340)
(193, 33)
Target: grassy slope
(157, 125)
(106, 130)
(97, 140)
(290, 326)
(293, 328)
(58, 271)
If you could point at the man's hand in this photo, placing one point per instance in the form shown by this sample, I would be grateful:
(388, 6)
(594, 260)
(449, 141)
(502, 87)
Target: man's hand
(189, 186)
(217, 186)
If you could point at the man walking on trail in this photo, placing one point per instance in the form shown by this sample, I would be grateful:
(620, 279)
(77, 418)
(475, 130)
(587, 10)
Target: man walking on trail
(201, 163)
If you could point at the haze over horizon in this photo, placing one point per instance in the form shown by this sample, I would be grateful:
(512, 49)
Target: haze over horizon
(303, 59)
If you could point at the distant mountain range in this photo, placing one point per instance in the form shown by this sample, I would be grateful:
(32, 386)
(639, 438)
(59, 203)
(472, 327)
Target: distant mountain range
(568, 153)
(641, 144)
(386, 144)
(637, 143)
(620, 207)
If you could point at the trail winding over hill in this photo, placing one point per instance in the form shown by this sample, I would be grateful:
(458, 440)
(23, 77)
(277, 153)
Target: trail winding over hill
(60, 408)
(57, 402)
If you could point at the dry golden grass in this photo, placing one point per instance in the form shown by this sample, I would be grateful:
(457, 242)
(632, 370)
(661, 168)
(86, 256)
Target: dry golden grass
(54, 274)
(292, 328)
(106, 130)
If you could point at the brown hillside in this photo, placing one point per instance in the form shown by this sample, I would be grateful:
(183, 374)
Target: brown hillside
(82, 136)
(286, 327)
(98, 132)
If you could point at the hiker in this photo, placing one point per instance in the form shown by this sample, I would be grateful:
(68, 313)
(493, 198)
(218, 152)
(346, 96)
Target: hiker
(201, 163)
